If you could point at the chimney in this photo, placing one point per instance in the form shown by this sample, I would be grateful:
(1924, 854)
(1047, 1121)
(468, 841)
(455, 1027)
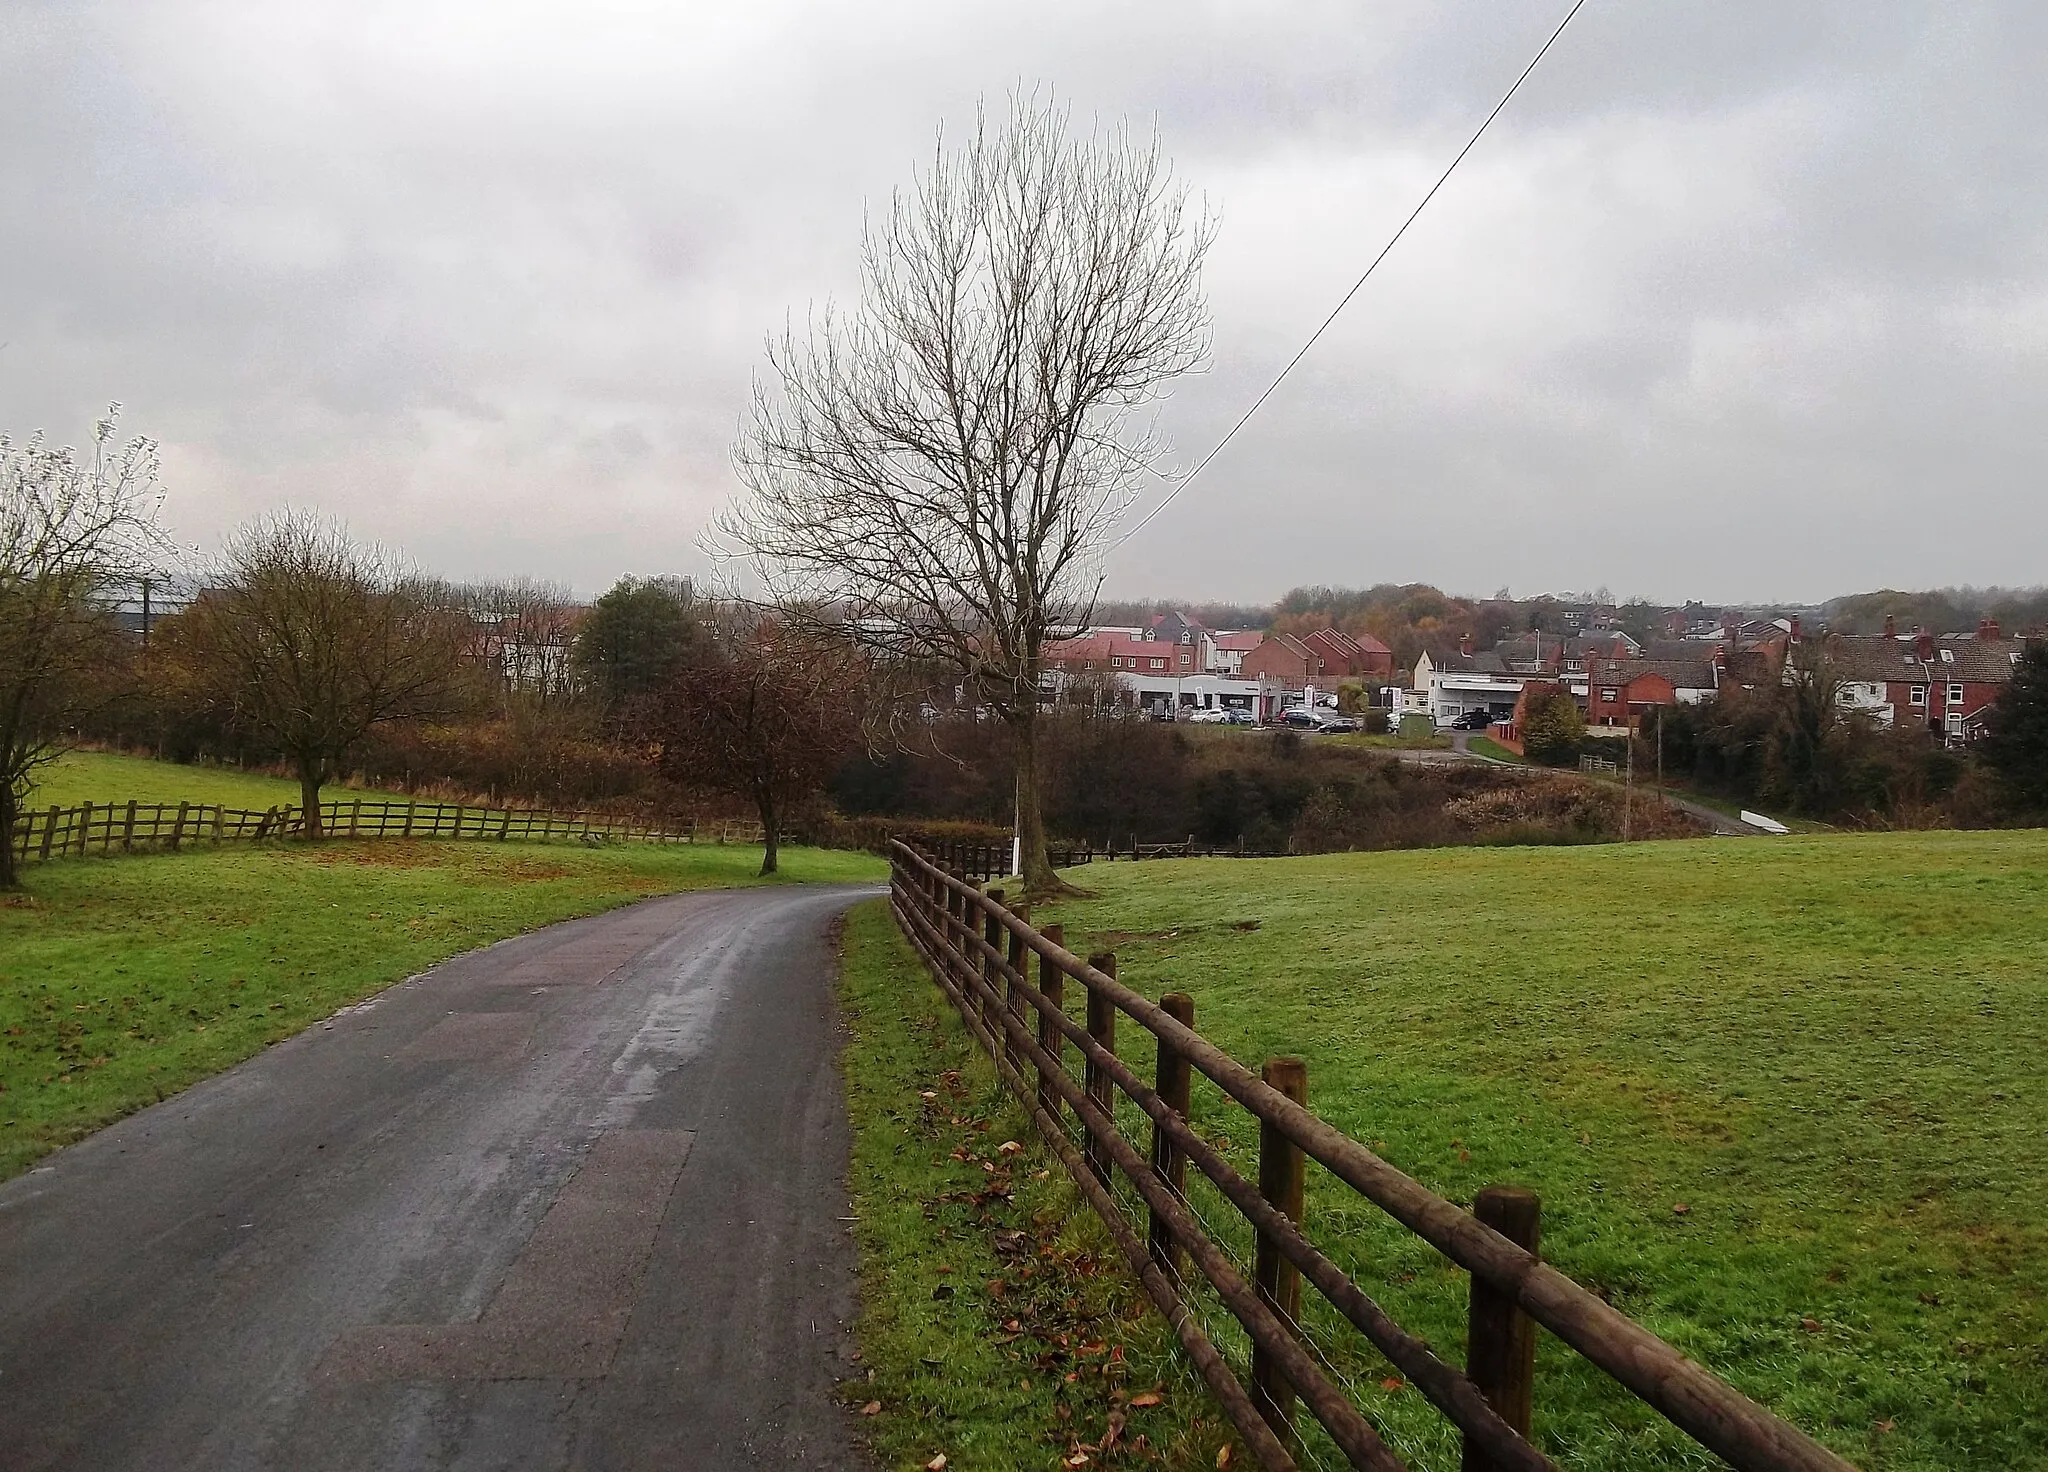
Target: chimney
(1465, 646)
(1731, 628)
(1891, 627)
(1923, 645)
(1987, 629)
(1795, 628)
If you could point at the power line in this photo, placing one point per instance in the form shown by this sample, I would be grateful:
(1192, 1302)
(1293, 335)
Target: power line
(1281, 377)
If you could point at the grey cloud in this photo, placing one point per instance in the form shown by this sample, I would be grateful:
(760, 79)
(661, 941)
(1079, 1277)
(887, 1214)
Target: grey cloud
(1739, 300)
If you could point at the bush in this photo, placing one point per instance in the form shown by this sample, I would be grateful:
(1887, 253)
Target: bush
(1552, 727)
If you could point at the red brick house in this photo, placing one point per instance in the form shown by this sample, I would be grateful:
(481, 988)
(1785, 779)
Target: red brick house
(1945, 684)
(1361, 656)
(1287, 659)
(1107, 652)
(1620, 690)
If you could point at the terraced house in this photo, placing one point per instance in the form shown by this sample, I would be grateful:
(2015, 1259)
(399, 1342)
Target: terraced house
(1947, 683)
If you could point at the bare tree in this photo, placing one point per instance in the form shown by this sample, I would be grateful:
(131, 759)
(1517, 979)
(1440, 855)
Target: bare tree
(310, 639)
(74, 530)
(939, 472)
(769, 721)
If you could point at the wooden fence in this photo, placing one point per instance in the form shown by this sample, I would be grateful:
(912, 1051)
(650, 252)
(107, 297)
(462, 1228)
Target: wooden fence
(980, 954)
(58, 832)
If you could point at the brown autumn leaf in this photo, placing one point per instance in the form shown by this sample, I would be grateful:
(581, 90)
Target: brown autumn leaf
(1009, 1147)
(1681, 1209)
(1810, 1325)
(1223, 1456)
(1393, 1382)
(872, 1408)
(1146, 1401)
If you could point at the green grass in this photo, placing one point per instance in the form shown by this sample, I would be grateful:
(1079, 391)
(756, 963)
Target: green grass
(1785, 1103)
(1486, 746)
(99, 776)
(998, 1324)
(1435, 741)
(123, 980)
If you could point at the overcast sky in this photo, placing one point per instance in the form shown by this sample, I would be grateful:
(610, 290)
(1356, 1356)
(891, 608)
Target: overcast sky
(1736, 301)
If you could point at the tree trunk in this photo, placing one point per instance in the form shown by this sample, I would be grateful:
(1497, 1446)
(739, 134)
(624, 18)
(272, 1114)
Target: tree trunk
(764, 801)
(310, 776)
(8, 815)
(1040, 882)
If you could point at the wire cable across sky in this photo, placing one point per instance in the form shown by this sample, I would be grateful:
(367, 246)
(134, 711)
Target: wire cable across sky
(1281, 377)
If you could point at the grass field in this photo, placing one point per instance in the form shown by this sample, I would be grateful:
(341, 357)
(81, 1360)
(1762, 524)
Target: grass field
(98, 776)
(994, 1328)
(1785, 1103)
(125, 979)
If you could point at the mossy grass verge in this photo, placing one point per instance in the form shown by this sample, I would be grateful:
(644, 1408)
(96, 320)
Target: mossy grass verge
(112, 777)
(1784, 1102)
(125, 979)
(999, 1328)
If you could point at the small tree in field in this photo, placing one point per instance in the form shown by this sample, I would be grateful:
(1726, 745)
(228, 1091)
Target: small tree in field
(769, 723)
(939, 472)
(73, 531)
(310, 639)
(2015, 744)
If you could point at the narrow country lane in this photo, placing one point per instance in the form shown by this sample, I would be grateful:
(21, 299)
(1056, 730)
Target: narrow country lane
(573, 1201)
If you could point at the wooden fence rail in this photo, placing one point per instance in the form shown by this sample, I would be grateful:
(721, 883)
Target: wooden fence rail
(59, 832)
(978, 951)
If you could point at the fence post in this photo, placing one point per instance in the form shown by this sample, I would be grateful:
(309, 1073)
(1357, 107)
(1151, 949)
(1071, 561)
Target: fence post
(1052, 984)
(992, 936)
(1500, 1346)
(1014, 982)
(178, 828)
(128, 827)
(1168, 1163)
(1102, 1028)
(49, 829)
(84, 828)
(1283, 1177)
(220, 818)
(956, 925)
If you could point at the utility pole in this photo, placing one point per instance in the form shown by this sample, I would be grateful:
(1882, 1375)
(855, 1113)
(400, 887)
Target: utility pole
(1628, 800)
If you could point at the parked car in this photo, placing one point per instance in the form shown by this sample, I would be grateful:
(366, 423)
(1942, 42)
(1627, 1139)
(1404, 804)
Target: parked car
(1236, 716)
(1337, 725)
(1300, 717)
(1216, 717)
(1473, 720)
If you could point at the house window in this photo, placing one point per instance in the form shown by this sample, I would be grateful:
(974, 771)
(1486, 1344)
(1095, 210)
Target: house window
(1158, 664)
(1610, 695)
(1919, 695)
(1948, 656)
(1955, 695)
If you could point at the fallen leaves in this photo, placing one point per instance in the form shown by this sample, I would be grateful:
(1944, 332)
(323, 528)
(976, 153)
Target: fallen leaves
(872, 1408)
(936, 1464)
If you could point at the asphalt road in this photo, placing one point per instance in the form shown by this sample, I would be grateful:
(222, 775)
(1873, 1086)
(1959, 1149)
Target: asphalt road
(574, 1201)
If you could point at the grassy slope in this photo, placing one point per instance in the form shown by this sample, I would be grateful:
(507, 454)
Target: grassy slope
(125, 979)
(98, 776)
(1827, 1050)
(994, 1329)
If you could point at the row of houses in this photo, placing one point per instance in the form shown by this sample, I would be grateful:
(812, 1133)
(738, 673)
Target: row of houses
(1174, 663)
(1944, 682)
